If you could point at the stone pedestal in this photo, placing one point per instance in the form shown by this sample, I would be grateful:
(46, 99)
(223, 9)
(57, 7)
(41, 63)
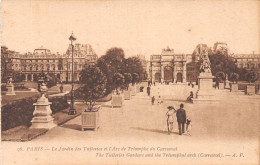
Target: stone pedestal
(117, 101)
(10, 89)
(205, 93)
(133, 90)
(233, 87)
(42, 114)
(250, 90)
(227, 85)
(127, 95)
(221, 86)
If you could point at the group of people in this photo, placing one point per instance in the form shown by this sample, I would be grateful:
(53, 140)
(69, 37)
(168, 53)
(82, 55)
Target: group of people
(181, 119)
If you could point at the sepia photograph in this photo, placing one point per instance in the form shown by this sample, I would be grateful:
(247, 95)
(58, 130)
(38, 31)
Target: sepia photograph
(86, 82)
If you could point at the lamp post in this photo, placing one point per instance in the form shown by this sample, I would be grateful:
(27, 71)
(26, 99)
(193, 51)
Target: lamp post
(72, 110)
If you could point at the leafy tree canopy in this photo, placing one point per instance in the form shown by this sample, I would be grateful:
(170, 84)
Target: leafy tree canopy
(135, 78)
(93, 85)
(221, 62)
(118, 81)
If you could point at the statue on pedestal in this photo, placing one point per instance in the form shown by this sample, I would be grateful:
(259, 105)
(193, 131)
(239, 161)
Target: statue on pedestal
(205, 65)
(10, 86)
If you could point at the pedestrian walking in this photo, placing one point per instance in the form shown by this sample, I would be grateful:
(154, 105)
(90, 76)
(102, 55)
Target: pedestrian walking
(153, 100)
(170, 119)
(181, 119)
(217, 84)
(148, 90)
(61, 88)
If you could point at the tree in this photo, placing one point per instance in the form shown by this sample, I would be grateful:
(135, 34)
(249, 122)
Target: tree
(220, 76)
(135, 78)
(134, 65)
(93, 85)
(6, 65)
(118, 81)
(252, 76)
(112, 62)
(234, 77)
(221, 62)
(128, 79)
(50, 79)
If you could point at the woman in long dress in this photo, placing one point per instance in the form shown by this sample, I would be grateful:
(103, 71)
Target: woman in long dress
(170, 118)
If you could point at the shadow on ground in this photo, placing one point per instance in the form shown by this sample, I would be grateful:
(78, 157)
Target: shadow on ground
(154, 130)
(72, 126)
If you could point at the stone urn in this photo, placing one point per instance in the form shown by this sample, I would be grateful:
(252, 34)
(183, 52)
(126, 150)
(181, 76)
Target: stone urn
(250, 90)
(90, 119)
(42, 114)
(233, 87)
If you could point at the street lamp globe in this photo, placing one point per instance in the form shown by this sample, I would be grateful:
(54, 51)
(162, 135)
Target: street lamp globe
(72, 37)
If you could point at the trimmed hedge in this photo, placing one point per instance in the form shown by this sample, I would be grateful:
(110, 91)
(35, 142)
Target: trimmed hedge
(3, 88)
(20, 112)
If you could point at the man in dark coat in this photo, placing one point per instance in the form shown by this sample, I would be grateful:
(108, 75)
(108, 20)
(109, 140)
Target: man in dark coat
(148, 90)
(181, 118)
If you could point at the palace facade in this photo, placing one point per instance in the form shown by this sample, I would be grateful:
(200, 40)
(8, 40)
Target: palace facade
(248, 61)
(42, 60)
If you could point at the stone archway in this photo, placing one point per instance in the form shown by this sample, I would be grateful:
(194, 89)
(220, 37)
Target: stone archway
(23, 77)
(157, 76)
(168, 76)
(35, 77)
(29, 78)
(179, 77)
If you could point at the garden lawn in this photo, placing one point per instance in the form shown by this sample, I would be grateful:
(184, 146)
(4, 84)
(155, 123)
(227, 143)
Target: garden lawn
(19, 95)
(24, 133)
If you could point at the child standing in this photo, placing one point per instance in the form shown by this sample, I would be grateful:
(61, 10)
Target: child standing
(188, 127)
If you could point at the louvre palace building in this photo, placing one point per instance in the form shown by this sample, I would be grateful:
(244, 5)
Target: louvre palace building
(43, 60)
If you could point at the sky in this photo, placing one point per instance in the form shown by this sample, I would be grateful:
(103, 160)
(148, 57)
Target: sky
(138, 27)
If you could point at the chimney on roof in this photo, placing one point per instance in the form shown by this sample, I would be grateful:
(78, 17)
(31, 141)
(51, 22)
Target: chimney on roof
(253, 52)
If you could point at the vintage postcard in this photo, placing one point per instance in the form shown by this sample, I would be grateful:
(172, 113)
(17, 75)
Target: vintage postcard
(87, 82)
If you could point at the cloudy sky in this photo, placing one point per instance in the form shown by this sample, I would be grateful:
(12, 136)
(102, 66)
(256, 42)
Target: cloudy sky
(139, 27)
